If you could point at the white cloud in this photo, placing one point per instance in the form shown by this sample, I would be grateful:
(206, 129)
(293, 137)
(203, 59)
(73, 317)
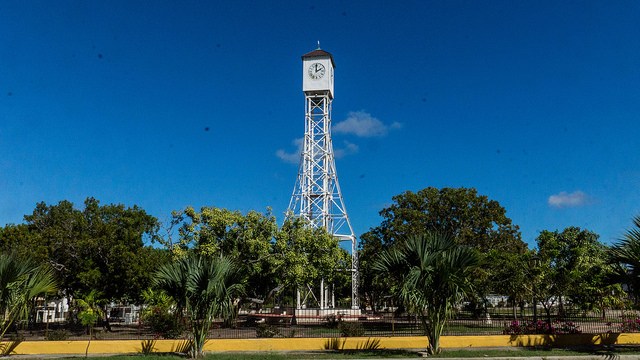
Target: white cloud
(359, 123)
(347, 149)
(362, 124)
(396, 125)
(293, 157)
(564, 199)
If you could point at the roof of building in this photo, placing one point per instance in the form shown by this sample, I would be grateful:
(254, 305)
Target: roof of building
(319, 53)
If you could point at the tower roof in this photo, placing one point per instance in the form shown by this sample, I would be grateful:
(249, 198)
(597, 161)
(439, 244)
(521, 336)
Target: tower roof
(319, 53)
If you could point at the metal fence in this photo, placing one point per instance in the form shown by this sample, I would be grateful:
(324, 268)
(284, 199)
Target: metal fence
(288, 322)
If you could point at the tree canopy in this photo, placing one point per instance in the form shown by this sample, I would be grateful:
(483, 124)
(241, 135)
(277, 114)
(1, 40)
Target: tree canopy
(99, 247)
(273, 257)
(436, 275)
(572, 265)
(469, 218)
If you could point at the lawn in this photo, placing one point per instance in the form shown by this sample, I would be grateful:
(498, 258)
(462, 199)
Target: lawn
(386, 354)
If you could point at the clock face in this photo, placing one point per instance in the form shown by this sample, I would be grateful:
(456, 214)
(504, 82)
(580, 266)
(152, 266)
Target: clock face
(316, 71)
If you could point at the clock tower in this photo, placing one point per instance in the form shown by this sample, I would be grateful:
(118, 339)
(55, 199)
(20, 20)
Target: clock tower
(317, 72)
(316, 195)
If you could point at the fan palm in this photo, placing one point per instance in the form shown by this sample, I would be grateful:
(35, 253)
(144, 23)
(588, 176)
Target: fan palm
(20, 282)
(625, 256)
(203, 288)
(436, 276)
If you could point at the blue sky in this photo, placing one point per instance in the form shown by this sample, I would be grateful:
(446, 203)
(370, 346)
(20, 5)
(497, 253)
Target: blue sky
(166, 104)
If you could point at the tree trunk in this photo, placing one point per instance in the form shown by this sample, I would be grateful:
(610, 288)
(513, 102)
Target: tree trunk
(548, 311)
(437, 320)
(107, 325)
(86, 351)
(427, 325)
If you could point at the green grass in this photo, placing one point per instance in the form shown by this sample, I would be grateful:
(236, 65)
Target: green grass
(506, 353)
(537, 352)
(386, 354)
(472, 329)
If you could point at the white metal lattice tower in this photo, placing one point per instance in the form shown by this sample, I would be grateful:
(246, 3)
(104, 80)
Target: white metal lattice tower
(316, 195)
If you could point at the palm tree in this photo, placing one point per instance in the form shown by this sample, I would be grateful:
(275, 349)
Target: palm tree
(90, 312)
(21, 281)
(625, 256)
(436, 276)
(203, 288)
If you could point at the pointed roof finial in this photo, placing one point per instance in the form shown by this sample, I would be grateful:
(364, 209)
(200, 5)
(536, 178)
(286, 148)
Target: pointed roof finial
(318, 44)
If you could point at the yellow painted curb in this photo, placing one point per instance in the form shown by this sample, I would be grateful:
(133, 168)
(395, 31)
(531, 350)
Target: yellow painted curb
(311, 344)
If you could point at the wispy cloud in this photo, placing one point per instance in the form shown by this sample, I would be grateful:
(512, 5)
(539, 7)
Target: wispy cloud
(362, 124)
(293, 157)
(564, 199)
(396, 125)
(347, 148)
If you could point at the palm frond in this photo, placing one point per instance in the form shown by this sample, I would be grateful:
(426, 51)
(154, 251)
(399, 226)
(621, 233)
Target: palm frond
(20, 282)
(436, 276)
(205, 287)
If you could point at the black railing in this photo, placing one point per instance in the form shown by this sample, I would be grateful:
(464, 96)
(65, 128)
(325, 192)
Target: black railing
(492, 321)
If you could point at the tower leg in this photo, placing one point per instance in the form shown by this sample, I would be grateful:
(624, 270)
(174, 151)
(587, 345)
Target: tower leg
(317, 197)
(333, 296)
(322, 298)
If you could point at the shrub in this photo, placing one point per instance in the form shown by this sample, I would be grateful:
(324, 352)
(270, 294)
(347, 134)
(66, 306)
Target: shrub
(57, 335)
(567, 327)
(630, 325)
(332, 320)
(163, 323)
(266, 331)
(350, 329)
(541, 327)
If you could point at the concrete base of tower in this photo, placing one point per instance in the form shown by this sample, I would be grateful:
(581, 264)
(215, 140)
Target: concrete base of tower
(310, 315)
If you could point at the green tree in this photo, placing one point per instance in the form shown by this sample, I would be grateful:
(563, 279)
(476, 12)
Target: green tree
(374, 285)
(624, 256)
(159, 315)
(18, 240)
(89, 312)
(510, 278)
(306, 255)
(247, 239)
(100, 247)
(273, 258)
(205, 287)
(56, 231)
(436, 275)
(573, 266)
(21, 280)
(470, 218)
